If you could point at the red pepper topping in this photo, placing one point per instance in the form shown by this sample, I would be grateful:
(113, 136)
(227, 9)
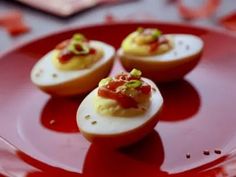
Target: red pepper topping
(153, 46)
(112, 90)
(114, 84)
(162, 40)
(145, 89)
(76, 46)
(65, 56)
(124, 100)
(92, 51)
(154, 40)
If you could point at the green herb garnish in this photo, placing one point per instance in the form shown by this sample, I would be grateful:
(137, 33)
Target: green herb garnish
(78, 37)
(133, 84)
(77, 45)
(140, 29)
(73, 48)
(104, 81)
(156, 33)
(136, 73)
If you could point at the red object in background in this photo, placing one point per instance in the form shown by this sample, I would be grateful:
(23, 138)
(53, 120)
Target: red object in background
(203, 11)
(64, 8)
(229, 21)
(13, 22)
(110, 18)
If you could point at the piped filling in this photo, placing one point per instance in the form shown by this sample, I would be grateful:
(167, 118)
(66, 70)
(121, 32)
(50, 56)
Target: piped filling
(146, 42)
(76, 53)
(125, 94)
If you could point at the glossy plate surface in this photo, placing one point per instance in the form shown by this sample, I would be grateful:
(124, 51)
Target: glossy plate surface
(198, 114)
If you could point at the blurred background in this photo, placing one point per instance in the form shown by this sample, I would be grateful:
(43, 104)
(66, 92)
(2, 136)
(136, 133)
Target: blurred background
(24, 20)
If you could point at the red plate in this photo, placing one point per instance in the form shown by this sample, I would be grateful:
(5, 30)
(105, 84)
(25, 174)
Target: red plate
(198, 114)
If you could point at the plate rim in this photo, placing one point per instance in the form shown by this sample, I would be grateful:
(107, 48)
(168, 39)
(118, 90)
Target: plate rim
(123, 23)
(58, 32)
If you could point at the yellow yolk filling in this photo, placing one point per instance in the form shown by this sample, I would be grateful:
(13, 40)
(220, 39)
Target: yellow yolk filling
(77, 62)
(110, 107)
(132, 45)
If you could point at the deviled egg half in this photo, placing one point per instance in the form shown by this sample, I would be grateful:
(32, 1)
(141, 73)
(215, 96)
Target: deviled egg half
(121, 111)
(160, 57)
(73, 67)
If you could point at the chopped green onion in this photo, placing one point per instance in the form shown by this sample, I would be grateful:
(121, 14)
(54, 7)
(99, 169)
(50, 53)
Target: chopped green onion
(156, 33)
(78, 37)
(132, 92)
(72, 48)
(136, 73)
(104, 81)
(122, 88)
(140, 29)
(133, 84)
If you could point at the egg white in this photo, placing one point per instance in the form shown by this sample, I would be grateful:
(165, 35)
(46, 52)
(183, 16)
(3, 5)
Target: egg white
(185, 45)
(107, 125)
(44, 73)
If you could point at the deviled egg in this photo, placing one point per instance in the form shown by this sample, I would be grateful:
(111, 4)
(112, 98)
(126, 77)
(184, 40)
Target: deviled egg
(120, 111)
(73, 67)
(160, 57)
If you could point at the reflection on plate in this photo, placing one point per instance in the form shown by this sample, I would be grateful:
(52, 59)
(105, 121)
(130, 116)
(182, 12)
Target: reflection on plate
(178, 96)
(63, 120)
(198, 115)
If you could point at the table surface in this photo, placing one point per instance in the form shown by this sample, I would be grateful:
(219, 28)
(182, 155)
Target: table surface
(161, 10)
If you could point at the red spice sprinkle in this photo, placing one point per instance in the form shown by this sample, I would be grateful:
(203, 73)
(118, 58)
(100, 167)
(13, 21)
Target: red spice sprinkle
(93, 122)
(180, 42)
(37, 74)
(188, 155)
(52, 122)
(206, 152)
(54, 75)
(217, 151)
(87, 117)
(187, 47)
